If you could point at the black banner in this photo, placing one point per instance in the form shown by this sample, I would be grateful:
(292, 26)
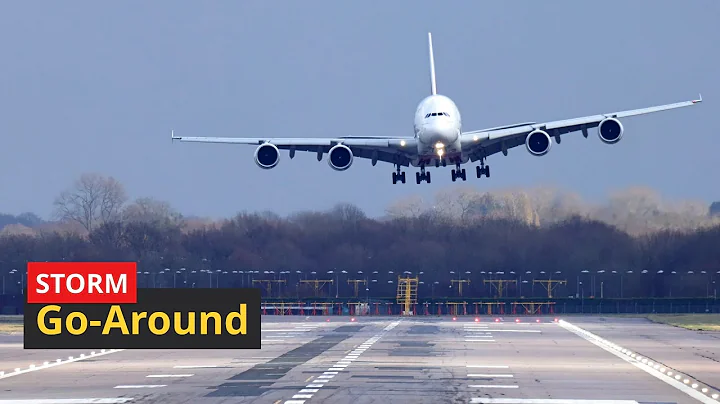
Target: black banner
(161, 319)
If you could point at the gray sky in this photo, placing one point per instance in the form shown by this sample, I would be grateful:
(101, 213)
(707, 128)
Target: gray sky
(97, 86)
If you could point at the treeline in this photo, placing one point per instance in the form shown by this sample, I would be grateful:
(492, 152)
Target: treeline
(454, 241)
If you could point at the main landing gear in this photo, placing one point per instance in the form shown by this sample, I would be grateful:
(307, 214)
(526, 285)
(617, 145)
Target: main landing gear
(422, 175)
(458, 173)
(398, 175)
(482, 169)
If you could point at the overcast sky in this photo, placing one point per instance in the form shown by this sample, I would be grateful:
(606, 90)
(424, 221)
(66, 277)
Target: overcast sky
(96, 87)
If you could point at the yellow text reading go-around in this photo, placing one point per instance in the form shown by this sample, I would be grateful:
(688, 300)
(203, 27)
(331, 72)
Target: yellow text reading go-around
(158, 323)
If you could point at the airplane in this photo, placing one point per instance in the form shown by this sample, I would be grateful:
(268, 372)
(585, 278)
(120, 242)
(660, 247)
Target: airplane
(438, 139)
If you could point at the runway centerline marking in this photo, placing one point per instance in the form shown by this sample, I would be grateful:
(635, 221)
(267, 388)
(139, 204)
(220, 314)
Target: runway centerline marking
(637, 361)
(317, 384)
(194, 366)
(545, 401)
(57, 362)
(488, 375)
(118, 400)
(488, 366)
(178, 375)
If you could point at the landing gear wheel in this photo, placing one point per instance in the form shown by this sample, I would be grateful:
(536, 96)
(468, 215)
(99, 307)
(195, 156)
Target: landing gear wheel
(427, 177)
(395, 178)
(417, 178)
(402, 177)
(487, 171)
(453, 175)
(462, 175)
(479, 171)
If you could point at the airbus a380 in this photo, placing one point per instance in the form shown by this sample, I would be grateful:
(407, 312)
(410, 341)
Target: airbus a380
(439, 139)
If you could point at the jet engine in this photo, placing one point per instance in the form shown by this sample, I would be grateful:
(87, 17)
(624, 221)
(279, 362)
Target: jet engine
(340, 157)
(538, 142)
(610, 130)
(267, 156)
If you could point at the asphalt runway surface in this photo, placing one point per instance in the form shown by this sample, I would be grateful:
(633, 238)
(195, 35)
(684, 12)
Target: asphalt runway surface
(578, 360)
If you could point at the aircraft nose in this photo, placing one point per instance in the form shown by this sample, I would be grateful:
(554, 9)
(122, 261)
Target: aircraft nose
(440, 131)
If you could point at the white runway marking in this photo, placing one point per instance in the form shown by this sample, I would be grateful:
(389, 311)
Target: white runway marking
(641, 363)
(318, 383)
(488, 375)
(488, 366)
(139, 386)
(194, 366)
(546, 401)
(516, 331)
(58, 362)
(493, 386)
(118, 400)
(479, 340)
(183, 375)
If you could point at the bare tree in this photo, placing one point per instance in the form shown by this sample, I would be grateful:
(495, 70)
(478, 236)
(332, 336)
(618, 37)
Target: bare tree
(92, 200)
(148, 210)
(411, 206)
(457, 203)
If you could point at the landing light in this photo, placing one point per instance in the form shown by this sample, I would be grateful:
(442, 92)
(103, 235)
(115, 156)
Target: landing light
(537, 321)
(497, 320)
(439, 145)
(475, 138)
(477, 319)
(402, 143)
(454, 318)
(352, 319)
(440, 152)
(517, 320)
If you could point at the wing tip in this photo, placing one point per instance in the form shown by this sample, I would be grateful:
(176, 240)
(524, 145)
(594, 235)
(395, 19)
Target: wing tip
(172, 135)
(699, 100)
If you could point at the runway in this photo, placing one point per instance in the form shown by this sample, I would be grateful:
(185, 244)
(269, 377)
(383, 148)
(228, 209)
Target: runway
(579, 360)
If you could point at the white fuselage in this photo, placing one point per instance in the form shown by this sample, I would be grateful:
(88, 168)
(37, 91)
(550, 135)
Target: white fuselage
(437, 127)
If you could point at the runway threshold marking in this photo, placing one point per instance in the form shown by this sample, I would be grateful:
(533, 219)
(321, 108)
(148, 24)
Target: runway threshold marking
(304, 394)
(648, 366)
(57, 362)
(118, 400)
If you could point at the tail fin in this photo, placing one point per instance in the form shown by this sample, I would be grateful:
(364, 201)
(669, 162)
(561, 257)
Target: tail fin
(433, 87)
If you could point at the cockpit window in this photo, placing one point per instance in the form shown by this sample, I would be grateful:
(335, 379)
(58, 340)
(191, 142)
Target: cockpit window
(437, 114)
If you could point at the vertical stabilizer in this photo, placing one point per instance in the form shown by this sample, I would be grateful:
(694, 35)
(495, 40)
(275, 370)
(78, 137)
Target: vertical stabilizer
(433, 87)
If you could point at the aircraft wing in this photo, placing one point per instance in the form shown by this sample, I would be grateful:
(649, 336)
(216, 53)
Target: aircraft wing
(395, 150)
(484, 143)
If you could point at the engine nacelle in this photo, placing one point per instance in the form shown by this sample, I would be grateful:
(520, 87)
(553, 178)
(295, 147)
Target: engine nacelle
(538, 142)
(340, 157)
(610, 130)
(267, 156)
